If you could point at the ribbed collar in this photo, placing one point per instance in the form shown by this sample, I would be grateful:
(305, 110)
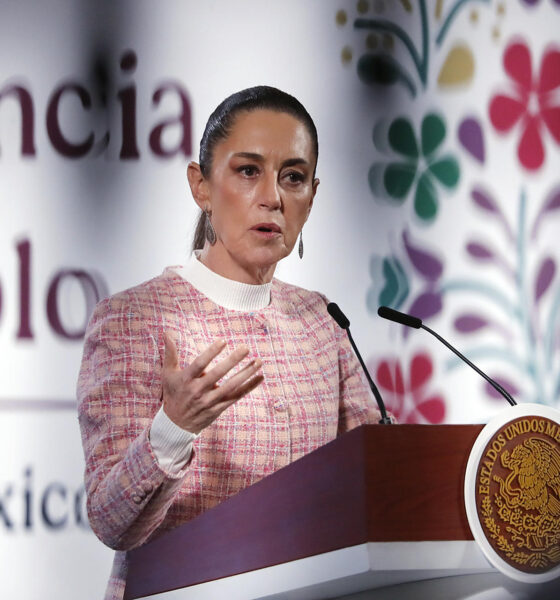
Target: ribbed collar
(227, 293)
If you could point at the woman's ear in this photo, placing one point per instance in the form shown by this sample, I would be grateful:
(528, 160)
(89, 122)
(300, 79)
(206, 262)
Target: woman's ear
(315, 185)
(198, 185)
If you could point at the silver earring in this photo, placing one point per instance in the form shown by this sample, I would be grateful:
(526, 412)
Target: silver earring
(209, 229)
(300, 246)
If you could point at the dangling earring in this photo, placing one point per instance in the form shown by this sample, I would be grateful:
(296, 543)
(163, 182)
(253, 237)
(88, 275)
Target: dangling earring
(300, 246)
(209, 229)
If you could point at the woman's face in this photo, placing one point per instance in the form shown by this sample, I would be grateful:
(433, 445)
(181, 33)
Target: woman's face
(259, 192)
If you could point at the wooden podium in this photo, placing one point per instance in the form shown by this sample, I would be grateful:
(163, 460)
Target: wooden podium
(379, 506)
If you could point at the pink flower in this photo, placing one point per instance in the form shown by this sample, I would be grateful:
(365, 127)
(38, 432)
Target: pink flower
(531, 103)
(409, 400)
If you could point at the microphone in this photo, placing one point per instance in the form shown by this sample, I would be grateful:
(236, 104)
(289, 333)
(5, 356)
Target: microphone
(416, 323)
(399, 317)
(343, 322)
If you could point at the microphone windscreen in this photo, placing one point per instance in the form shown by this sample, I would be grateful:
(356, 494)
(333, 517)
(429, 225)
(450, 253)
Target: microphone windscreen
(399, 317)
(338, 315)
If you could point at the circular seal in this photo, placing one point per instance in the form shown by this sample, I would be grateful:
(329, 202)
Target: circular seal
(512, 492)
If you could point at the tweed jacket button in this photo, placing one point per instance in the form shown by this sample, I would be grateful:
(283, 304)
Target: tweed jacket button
(147, 487)
(137, 498)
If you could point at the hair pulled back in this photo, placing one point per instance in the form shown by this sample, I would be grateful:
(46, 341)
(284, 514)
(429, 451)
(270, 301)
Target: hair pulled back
(221, 121)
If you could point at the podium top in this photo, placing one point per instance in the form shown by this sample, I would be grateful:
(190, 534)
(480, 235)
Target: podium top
(373, 484)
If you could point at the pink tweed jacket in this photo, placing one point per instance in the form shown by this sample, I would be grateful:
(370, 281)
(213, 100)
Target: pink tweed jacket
(312, 392)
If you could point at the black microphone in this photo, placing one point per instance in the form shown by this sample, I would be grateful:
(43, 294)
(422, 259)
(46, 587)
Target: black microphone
(410, 321)
(399, 317)
(343, 322)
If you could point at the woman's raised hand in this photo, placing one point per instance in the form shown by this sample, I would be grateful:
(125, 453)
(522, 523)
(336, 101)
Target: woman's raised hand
(192, 398)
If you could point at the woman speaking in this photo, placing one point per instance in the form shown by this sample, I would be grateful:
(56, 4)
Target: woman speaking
(213, 375)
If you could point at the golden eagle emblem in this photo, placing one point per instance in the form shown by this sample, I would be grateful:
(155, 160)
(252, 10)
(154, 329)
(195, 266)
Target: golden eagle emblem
(534, 480)
(517, 494)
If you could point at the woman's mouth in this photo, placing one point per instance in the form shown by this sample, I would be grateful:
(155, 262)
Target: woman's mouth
(267, 230)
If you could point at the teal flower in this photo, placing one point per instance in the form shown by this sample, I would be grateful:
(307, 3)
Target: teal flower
(389, 283)
(421, 166)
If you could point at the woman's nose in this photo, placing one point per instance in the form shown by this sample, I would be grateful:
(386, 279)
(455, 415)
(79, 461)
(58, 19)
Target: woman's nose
(269, 196)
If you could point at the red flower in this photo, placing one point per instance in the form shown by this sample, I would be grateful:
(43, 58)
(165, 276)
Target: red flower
(531, 103)
(399, 395)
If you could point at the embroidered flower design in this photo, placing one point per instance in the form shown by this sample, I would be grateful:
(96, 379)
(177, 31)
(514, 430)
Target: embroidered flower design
(389, 285)
(421, 166)
(531, 103)
(392, 274)
(409, 400)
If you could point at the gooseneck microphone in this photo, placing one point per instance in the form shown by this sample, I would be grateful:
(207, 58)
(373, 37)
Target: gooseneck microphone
(416, 323)
(343, 322)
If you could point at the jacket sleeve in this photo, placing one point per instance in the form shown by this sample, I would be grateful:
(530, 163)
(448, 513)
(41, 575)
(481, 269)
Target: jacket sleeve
(119, 392)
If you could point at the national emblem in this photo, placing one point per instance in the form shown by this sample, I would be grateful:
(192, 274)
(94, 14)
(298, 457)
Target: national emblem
(534, 480)
(518, 494)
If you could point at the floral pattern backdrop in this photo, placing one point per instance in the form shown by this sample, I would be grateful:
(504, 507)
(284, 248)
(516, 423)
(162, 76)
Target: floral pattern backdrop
(464, 137)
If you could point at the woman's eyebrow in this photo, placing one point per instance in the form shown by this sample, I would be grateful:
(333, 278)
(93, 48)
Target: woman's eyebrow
(250, 155)
(289, 162)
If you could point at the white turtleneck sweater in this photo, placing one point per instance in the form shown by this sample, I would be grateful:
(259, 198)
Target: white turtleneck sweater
(171, 444)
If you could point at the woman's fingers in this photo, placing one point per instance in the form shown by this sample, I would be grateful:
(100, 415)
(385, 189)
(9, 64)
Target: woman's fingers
(248, 386)
(198, 365)
(233, 386)
(226, 365)
(225, 402)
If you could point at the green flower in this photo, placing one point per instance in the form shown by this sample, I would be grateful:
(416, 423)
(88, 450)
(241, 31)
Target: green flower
(420, 165)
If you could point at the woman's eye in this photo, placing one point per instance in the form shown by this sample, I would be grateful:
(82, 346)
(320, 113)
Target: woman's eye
(295, 177)
(248, 170)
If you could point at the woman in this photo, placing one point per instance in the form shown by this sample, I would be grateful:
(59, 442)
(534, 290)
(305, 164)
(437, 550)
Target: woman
(170, 426)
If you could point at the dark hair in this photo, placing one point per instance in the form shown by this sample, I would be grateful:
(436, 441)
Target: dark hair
(222, 119)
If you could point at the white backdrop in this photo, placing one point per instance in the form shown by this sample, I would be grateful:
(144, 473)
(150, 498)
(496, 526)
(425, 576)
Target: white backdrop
(100, 222)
